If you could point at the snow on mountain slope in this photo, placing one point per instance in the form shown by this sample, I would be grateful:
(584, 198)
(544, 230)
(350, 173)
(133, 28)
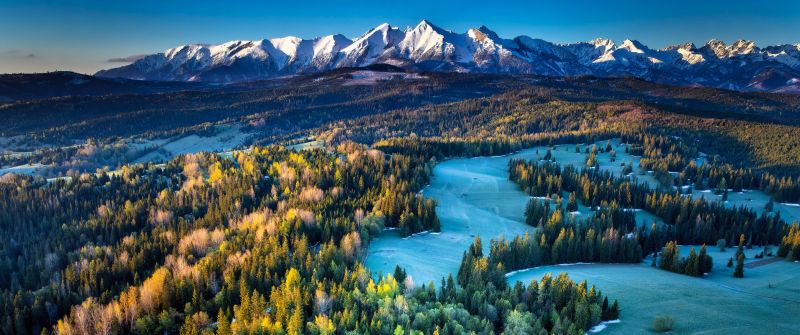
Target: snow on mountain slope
(366, 49)
(787, 54)
(316, 54)
(427, 42)
(740, 65)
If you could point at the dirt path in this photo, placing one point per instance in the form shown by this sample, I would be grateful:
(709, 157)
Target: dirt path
(763, 262)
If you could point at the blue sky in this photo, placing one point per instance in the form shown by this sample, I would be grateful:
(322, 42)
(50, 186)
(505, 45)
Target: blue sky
(82, 35)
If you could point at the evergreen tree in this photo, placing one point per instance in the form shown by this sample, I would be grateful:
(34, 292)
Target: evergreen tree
(706, 262)
(613, 313)
(669, 256)
(223, 326)
(399, 274)
(692, 267)
(740, 248)
(572, 203)
(739, 271)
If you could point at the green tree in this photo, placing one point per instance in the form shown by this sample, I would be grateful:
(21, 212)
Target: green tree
(572, 203)
(738, 272)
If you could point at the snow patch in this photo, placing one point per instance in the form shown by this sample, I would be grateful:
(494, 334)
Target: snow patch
(509, 274)
(426, 232)
(602, 325)
(373, 77)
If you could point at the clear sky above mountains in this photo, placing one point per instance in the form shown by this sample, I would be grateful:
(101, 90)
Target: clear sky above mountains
(87, 35)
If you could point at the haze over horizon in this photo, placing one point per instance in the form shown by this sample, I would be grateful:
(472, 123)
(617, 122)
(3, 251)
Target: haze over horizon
(90, 35)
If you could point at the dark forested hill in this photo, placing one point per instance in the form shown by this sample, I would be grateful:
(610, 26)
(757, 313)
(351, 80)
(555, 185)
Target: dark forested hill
(305, 102)
(286, 105)
(16, 87)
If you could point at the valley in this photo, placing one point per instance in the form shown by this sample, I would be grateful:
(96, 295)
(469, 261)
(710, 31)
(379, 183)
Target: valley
(475, 198)
(399, 168)
(336, 197)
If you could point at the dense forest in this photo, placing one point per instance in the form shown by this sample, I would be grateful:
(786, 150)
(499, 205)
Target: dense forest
(268, 242)
(687, 221)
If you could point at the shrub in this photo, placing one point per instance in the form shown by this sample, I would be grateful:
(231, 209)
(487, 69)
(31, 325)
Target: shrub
(721, 243)
(663, 324)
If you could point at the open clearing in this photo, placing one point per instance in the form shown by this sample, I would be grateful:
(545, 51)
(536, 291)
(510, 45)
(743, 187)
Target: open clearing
(29, 169)
(754, 199)
(475, 198)
(309, 145)
(226, 137)
(727, 305)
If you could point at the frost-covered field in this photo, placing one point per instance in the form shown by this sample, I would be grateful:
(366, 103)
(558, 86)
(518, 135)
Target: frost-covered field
(373, 77)
(475, 198)
(313, 144)
(29, 169)
(227, 137)
(765, 301)
(754, 199)
(565, 155)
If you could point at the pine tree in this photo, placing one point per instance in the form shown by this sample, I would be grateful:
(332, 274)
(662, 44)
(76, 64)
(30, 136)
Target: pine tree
(572, 203)
(692, 264)
(706, 262)
(223, 325)
(190, 327)
(613, 314)
(399, 274)
(739, 271)
(669, 256)
(740, 249)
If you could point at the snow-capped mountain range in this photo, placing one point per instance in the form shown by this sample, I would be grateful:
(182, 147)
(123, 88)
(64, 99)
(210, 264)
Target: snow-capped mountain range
(741, 65)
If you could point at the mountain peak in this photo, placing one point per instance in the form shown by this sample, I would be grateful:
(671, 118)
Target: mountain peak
(427, 25)
(423, 24)
(738, 48)
(381, 27)
(488, 32)
(483, 33)
(382, 31)
(689, 46)
(477, 35)
(633, 46)
(602, 42)
(743, 47)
